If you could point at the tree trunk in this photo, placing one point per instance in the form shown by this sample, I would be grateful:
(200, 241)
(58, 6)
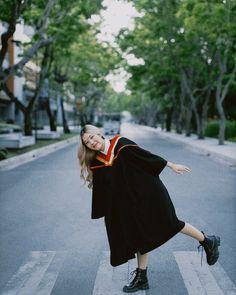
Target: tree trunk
(201, 129)
(52, 121)
(180, 114)
(188, 84)
(222, 90)
(16, 9)
(222, 130)
(188, 118)
(221, 112)
(198, 121)
(27, 123)
(65, 126)
(203, 119)
(151, 114)
(168, 120)
(178, 125)
(30, 52)
(27, 110)
(83, 120)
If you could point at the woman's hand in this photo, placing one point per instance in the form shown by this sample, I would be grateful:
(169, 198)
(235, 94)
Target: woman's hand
(180, 169)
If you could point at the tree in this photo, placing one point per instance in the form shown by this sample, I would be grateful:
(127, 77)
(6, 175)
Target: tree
(18, 9)
(189, 56)
(213, 24)
(72, 17)
(89, 63)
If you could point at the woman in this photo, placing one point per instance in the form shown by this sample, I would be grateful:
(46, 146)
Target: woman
(127, 191)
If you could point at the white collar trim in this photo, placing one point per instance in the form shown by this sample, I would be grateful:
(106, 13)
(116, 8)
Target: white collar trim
(107, 144)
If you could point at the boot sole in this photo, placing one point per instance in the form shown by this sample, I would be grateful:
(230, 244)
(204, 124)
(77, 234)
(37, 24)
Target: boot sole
(216, 252)
(143, 287)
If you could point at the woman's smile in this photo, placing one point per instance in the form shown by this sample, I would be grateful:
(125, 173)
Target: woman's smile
(93, 141)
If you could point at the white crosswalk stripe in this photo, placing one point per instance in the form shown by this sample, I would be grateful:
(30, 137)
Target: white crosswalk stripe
(37, 275)
(198, 279)
(203, 279)
(110, 280)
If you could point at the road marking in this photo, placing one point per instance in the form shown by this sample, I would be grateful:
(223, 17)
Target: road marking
(37, 275)
(223, 280)
(203, 279)
(47, 283)
(110, 280)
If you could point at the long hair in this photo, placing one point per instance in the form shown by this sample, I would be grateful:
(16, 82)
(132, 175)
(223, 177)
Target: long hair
(86, 155)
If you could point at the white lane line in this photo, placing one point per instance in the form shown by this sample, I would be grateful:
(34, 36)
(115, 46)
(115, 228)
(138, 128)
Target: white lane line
(27, 279)
(110, 280)
(202, 279)
(34, 266)
(205, 275)
(190, 278)
(223, 280)
(48, 281)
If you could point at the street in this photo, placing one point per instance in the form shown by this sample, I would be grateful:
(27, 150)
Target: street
(50, 245)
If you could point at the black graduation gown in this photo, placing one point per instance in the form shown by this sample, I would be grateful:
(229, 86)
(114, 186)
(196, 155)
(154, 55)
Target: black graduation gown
(128, 193)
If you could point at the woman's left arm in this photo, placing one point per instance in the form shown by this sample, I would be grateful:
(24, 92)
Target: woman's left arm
(180, 169)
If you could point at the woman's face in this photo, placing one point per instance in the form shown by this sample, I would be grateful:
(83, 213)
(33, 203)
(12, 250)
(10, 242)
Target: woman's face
(93, 141)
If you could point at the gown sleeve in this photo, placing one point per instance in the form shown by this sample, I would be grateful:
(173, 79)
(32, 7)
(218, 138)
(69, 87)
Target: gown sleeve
(144, 159)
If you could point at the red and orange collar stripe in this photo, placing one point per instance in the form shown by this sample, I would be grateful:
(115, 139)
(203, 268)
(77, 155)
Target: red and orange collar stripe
(108, 159)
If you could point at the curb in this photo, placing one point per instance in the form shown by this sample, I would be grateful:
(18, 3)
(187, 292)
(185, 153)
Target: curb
(36, 154)
(195, 145)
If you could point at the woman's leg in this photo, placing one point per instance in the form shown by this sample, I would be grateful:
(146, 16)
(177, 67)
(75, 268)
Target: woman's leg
(192, 232)
(142, 260)
(187, 230)
(209, 243)
(140, 281)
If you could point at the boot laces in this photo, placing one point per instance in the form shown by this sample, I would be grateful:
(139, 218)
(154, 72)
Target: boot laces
(132, 274)
(198, 249)
(205, 245)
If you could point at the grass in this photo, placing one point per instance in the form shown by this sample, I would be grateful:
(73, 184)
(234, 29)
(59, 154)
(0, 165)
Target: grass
(233, 139)
(40, 143)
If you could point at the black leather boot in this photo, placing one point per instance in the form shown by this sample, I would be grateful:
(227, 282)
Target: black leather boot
(210, 245)
(140, 281)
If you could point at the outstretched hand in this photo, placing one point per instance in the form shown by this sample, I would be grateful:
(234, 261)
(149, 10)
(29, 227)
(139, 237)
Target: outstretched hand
(180, 169)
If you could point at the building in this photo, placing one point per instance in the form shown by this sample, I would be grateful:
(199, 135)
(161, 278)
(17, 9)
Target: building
(24, 86)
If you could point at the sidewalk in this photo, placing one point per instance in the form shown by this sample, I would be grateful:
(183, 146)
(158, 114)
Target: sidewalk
(208, 146)
(35, 154)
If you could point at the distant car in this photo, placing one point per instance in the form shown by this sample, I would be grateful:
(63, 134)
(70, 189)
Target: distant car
(111, 127)
(111, 123)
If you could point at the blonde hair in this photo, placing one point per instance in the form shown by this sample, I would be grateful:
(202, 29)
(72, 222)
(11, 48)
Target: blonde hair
(86, 155)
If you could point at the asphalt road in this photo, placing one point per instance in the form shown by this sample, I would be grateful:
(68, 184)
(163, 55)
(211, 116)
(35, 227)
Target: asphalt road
(48, 240)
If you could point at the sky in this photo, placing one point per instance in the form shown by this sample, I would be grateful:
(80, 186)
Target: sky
(117, 14)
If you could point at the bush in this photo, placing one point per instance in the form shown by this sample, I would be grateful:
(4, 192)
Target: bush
(8, 128)
(39, 127)
(212, 129)
(230, 130)
(3, 154)
(99, 124)
(10, 121)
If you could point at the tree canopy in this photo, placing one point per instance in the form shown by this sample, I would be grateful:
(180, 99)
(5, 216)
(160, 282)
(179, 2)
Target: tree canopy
(188, 49)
